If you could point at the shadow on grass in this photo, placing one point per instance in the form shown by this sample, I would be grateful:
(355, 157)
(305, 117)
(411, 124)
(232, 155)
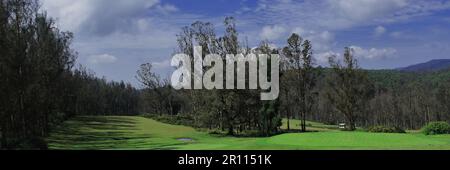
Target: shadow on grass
(96, 132)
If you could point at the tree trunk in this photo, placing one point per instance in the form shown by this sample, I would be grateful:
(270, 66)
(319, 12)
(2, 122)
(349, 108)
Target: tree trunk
(230, 130)
(288, 123)
(351, 122)
(304, 122)
(3, 141)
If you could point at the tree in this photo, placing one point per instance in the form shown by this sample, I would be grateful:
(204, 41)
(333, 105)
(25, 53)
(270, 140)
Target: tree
(233, 111)
(35, 56)
(287, 85)
(308, 78)
(157, 93)
(39, 87)
(350, 88)
(4, 15)
(443, 96)
(299, 54)
(270, 119)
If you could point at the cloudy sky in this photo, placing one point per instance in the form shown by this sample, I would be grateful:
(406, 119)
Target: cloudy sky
(113, 37)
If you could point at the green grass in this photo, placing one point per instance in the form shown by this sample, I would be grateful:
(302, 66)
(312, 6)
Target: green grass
(126, 132)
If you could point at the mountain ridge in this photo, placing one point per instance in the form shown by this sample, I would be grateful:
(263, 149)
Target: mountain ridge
(430, 66)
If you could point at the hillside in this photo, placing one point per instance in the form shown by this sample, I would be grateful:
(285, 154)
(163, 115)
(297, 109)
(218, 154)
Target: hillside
(433, 65)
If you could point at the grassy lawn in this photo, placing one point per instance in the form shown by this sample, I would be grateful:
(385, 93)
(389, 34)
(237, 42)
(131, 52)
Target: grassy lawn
(127, 132)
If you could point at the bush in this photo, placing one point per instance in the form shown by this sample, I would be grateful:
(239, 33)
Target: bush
(216, 132)
(435, 128)
(184, 120)
(384, 129)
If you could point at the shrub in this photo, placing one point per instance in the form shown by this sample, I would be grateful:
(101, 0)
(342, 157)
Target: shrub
(435, 128)
(184, 120)
(384, 129)
(216, 132)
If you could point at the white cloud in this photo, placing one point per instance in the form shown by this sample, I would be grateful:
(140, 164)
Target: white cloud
(102, 59)
(70, 14)
(272, 32)
(380, 30)
(161, 64)
(319, 20)
(141, 28)
(373, 53)
(103, 25)
(321, 41)
(300, 31)
(134, 29)
(166, 8)
(342, 14)
(355, 11)
(323, 58)
(96, 16)
(361, 53)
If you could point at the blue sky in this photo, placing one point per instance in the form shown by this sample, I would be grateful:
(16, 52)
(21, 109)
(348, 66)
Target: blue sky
(113, 37)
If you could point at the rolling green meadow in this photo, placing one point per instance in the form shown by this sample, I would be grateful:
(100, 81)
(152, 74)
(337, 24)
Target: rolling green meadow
(133, 132)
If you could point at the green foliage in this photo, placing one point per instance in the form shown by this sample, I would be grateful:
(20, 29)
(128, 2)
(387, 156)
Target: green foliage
(185, 120)
(39, 87)
(35, 57)
(298, 56)
(385, 129)
(350, 87)
(235, 111)
(435, 128)
(270, 120)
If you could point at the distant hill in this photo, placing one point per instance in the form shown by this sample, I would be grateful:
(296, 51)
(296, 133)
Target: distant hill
(433, 65)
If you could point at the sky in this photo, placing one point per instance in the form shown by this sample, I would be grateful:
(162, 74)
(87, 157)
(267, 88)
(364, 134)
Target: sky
(114, 37)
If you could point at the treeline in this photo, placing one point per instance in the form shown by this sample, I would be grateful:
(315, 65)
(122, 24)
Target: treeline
(345, 93)
(39, 88)
(97, 96)
(365, 98)
(233, 111)
(409, 100)
(304, 86)
(396, 99)
(340, 93)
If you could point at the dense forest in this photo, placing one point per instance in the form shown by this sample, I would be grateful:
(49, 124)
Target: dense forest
(41, 87)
